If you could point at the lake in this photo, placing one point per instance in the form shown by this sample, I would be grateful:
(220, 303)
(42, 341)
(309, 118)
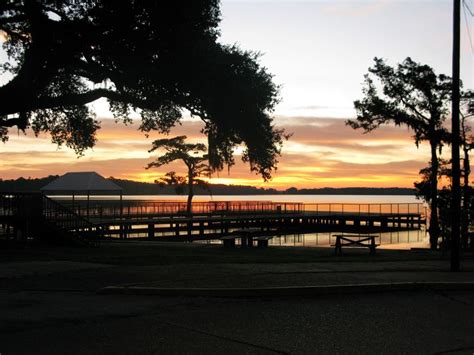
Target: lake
(275, 198)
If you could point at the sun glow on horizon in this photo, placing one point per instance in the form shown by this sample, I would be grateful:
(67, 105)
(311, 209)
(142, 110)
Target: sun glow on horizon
(306, 46)
(314, 157)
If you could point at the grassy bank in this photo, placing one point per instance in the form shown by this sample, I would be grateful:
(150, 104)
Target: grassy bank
(159, 253)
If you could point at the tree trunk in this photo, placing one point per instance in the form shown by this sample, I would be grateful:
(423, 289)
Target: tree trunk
(466, 201)
(434, 222)
(189, 207)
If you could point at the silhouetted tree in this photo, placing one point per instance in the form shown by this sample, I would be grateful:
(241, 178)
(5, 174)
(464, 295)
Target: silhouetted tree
(424, 191)
(410, 94)
(154, 57)
(176, 149)
(467, 144)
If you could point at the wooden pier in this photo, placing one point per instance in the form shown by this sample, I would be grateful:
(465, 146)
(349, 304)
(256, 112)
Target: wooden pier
(215, 226)
(211, 220)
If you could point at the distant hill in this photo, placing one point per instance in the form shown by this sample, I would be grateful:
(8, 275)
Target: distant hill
(352, 191)
(26, 185)
(143, 188)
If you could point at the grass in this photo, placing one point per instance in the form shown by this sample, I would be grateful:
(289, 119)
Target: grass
(159, 253)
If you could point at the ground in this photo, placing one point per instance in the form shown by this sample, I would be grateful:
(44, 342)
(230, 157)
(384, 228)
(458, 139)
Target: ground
(50, 301)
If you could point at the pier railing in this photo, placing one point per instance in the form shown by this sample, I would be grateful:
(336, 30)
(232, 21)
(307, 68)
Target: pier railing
(38, 216)
(136, 208)
(368, 208)
(112, 209)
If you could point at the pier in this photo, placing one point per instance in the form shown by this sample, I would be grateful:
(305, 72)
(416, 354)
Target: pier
(31, 214)
(214, 226)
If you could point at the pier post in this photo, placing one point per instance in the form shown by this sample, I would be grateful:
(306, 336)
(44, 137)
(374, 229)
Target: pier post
(151, 230)
(189, 226)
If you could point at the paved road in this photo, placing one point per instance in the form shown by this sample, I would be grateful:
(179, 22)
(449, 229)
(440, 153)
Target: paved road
(49, 303)
(55, 322)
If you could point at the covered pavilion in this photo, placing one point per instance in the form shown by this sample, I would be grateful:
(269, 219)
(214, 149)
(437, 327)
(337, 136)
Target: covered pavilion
(83, 183)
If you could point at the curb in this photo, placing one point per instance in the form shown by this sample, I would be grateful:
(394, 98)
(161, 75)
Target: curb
(292, 291)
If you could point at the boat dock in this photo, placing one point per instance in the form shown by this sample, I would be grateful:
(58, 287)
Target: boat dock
(163, 220)
(214, 219)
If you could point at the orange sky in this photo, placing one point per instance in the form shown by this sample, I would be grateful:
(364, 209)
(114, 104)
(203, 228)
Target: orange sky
(318, 52)
(322, 152)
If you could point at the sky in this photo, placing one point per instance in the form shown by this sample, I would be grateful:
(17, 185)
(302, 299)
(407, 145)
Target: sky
(318, 52)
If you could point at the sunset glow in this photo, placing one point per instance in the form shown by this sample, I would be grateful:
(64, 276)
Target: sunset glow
(313, 157)
(318, 52)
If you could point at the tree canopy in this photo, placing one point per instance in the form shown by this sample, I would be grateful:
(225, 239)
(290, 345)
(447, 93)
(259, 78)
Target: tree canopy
(149, 56)
(410, 94)
(176, 148)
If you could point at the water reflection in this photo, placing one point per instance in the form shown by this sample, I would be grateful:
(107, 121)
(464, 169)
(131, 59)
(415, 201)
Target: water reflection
(327, 239)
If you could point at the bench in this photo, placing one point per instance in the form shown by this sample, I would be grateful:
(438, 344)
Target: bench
(247, 237)
(262, 241)
(355, 240)
(229, 241)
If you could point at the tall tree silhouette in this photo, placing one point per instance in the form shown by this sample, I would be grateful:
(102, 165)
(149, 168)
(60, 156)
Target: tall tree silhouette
(467, 144)
(410, 94)
(176, 149)
(155, 57)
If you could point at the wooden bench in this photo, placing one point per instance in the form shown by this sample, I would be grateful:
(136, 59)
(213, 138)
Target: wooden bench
(229, 241)
(262, 241)
(247, 237)
(355, 240)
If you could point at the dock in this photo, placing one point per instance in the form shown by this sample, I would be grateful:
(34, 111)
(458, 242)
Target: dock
(169, 221)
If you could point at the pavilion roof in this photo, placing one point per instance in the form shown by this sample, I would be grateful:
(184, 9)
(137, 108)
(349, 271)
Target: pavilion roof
(85, 182)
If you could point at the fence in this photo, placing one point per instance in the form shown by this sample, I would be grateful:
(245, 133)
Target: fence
(102, 209)
(367, 208)
(134, 208)
(35, 214)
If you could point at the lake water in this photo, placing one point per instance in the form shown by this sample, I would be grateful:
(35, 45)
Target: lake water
(275, 198)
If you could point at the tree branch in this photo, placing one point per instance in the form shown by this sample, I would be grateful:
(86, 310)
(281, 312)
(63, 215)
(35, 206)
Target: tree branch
(12, 19)
(411, 107)
(10, 122)
(14, 34)
(75, 99)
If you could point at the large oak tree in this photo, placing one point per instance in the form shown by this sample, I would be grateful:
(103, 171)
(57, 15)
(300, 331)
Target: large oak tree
(151, 56)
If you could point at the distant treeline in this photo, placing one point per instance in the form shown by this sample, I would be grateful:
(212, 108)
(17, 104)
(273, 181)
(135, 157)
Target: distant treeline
(143, 188)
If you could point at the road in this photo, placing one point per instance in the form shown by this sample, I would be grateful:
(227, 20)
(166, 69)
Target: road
(83, 322)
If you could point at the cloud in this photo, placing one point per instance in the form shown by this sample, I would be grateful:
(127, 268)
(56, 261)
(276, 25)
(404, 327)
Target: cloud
(321, 152)
(356, 7)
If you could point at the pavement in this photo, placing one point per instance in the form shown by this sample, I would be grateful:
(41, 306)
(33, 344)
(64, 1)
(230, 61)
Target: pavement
(190, 298)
